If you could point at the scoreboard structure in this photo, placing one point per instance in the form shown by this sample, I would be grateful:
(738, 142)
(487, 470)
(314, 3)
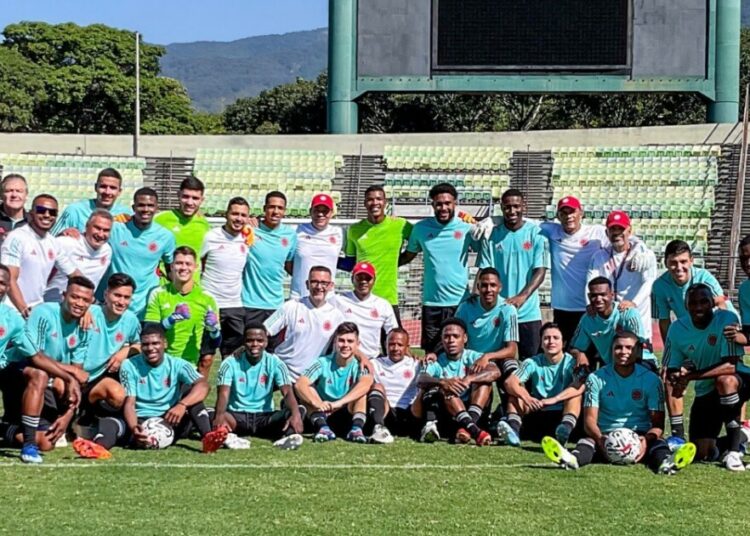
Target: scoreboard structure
(532, 46)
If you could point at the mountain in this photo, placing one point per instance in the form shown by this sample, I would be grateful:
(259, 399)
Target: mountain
(745, 13)
(217, 73)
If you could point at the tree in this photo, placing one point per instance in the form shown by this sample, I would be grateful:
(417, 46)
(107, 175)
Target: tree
(21, 88)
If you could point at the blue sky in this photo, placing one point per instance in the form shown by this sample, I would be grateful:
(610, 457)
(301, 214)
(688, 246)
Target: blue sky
(176, 21)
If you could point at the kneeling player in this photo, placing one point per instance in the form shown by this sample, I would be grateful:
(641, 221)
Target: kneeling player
(334, 389)
(545, 394)
(451, 382)
(246, 383)
(391, 397)
(623, 394)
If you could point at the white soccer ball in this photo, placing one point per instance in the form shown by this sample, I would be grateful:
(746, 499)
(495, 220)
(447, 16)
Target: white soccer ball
(623, 446)
(159, 432)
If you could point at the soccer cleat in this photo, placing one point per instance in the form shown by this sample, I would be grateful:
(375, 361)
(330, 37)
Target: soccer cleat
(381, 435)
(290, 442)
(484, 439)
(30, 454)
(680, 458)
(506, 434)
(558, 454)
(463, 436)
(429, 433)
(562, 433)
(675, 442)
(733, 461)
(61, 442)
(324, 434)
(214, 439)
(235, 442)
(356, 435)
(745, 435)
(88, 449)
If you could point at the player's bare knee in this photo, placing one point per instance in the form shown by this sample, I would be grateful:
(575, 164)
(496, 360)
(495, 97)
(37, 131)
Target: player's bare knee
(35, 378)
(727, 383)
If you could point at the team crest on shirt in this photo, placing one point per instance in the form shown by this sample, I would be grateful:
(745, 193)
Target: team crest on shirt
(332, 239)
(103, 260)
(2, 331)
(327, 325)
(241, 379)
(527, 245)
(152, 247)
(458, 235)
(72, 341)
(119, 337)
(167, 382)
(712, 339)
(263, 379)
(408, 374)
(584, 242)
(374, 313)
(285, 242)
(636, 394)
(243, 249)
(496, 321)
(350, 382)
(50, 255)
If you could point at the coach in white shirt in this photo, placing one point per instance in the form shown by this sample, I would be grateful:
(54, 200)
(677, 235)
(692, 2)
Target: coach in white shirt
(372, 314)
(318, 244)
(223, 257)
(30, 252)
(90, 253)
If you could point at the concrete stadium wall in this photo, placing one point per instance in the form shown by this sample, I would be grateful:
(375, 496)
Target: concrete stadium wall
(185, 146)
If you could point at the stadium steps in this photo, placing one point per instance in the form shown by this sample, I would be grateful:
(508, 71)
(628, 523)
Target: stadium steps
(357, 174)
(165, 175)
(531, 172)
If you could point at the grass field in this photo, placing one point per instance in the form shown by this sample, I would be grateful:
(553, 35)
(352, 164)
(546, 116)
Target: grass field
(341, 488)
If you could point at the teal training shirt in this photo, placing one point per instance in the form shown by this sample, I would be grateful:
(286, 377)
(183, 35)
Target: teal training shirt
(547, 379)
(251, 386)
(65, 342)
(332, 381)
(77, 214)
(601, 332)
(106, 338)
(263, 277)
(488, 331)
(667, 296)
(13, 330)
(445, 368)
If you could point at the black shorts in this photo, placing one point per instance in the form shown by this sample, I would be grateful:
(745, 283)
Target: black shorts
(538, 424)
(706, 414)
(266, 424)
(12, 384)
(340, 421)
(253, 316)
(529, 339)
(232, 329)
(568, 322)
(87, 387)
(402, 422)
(432, 319)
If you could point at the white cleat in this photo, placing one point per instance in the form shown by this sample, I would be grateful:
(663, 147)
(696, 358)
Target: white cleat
(733, 461)
(429, 433)
(235, 442)
(290, 442)
(382, 435)
(62, 442)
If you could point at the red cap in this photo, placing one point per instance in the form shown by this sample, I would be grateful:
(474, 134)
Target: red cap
(322, 199)
(364, 267)
(569, 202)
(618, 218)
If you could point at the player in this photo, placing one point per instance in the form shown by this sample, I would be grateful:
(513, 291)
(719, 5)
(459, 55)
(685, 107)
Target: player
(449, 384)
(545, 393)
(31, 252)
(597, 331)
(223, 260)
(334, 389)
(24, 374)
(445, 241)
(740, 334)
(372, 314)
(268, 261)
(309, 324)
(90, 253)
(14, 191)
(318, 244)
(138, 246)
(379, 239)
(520, 254)
(188, 314)
(389, 403)
(618, 262)
(697, 351)
(246, 383)
(668, 300)
(185, 222)
(108, 187)
(623, 394)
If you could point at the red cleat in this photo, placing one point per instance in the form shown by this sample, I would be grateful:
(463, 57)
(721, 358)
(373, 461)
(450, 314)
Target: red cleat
(214, 439)
(463, 436)
(88, 449)
(484, 439)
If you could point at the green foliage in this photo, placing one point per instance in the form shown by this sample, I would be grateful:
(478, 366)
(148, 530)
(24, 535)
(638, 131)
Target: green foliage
(21, 88)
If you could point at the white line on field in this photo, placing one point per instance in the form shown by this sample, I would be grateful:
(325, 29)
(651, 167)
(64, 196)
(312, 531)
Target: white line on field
(386, 467)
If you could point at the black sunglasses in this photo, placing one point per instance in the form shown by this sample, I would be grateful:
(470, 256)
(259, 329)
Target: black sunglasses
(40, 209)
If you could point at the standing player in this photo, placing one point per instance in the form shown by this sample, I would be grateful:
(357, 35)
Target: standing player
(268, 261)
(187, 313)
(520, 254)
(740, 334)
(390, 400)
(445, 241)
(334, 389)
(137, 248)
(14, 190)
(223, 260)
(697, 351)
(309, 324)
(108, 187)
(318, 244)
(90, 253)
(668, 300)
(617, 261)
(31, 252)
(246, 383)
(372, 314)
(623, 394)
(379, 239)
(449, 384)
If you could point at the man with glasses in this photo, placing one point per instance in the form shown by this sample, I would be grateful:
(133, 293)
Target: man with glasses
(31, 252)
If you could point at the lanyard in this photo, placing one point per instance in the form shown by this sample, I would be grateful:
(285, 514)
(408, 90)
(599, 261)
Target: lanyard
(618, 271)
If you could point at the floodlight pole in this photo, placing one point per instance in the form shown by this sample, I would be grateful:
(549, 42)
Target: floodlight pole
(137, 129)
(342, 58)
(725, 107)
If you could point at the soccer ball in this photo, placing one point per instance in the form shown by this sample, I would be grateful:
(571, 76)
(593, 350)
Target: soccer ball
(159, 432)
(623, 446)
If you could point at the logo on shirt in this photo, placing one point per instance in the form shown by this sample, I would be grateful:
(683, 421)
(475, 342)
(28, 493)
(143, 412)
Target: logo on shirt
(221, 247)
(332, 239)
(497, 321)
(712, 340)
(54, 334)
(307, 237)
(263, 379)
(527, 245)
(103, 260)
(285, 242)
(152, 247)
(349, 311)
(119, 337)
(124, 243)
(301, 321)
(458, 235)
(408, 374)
(327, 325)
(167, 382)
(241, 379)
(72, 341)
(50, 255)
(2, 331)
(691, 348)
(374, 313)
(243, 249)
(431, 235)
(610, 394)
(584, 242)
(636, 394)
(142, 380)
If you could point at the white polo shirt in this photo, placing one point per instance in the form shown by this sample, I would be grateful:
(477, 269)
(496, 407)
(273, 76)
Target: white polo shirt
(398, 379)
(92, 263)
(371, 315)
(225, 261)
(314, 248)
